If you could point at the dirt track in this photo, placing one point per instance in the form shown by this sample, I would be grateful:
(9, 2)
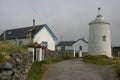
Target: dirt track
(77, 70)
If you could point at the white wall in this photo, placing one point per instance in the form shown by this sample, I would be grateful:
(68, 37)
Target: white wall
(58, 48)
(66, 48)
(96, 43)
(44, 35)
(76, 46)
(80, 43)
(16, 41)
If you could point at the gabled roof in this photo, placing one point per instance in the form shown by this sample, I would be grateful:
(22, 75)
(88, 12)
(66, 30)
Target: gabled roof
(70, 43)
(83, 40)
(21, 33)
(66, 43)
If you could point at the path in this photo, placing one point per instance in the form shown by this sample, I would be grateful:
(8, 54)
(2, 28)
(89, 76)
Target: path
(77, 70)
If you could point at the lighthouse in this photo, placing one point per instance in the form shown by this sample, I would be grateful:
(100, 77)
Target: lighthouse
(99, 42)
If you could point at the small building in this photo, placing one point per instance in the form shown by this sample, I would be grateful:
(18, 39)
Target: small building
(80, 44)
(116, 48)
(40, 34)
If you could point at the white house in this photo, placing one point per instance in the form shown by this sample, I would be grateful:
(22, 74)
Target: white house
(40, 34)
(80, 44)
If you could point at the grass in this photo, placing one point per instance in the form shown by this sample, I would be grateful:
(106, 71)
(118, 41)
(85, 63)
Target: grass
(2, 60)
(38, 68)
(7, 47)
(98, 59)
(118, 70)
(103, 60)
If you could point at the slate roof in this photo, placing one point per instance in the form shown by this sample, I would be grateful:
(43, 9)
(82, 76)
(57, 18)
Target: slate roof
(116, 48)
(70, 43)
(66, 43)
(21, 33)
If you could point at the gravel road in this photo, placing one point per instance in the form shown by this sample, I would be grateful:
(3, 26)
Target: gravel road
(77, 70)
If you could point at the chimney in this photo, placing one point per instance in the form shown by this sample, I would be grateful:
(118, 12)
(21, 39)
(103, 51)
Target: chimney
(33, 22)
(4, 35)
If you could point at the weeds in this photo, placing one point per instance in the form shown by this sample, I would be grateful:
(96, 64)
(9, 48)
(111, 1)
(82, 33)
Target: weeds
(7, 47)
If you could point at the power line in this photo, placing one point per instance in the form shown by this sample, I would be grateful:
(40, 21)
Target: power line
(29, 3)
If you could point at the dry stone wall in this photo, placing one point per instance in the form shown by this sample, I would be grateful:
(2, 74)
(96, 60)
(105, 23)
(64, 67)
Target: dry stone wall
(21, 63)
(55, 54)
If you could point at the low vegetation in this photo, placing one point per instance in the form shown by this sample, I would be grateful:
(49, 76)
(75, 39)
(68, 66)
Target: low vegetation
(98, 59)
(7, 48)
(38, 68)
(118, 70)
(2, 60)
(103, 60)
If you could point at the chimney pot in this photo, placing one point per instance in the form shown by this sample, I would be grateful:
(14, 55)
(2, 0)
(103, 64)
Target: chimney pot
(33, 22)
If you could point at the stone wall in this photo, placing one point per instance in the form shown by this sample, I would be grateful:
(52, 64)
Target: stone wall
(55, 54)
(21, 64)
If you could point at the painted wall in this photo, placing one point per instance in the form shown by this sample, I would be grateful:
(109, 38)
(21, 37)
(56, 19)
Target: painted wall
(96, 43)
(79, 43)
(16, 41)
(44, 35)
(76, 46)
(66, 48)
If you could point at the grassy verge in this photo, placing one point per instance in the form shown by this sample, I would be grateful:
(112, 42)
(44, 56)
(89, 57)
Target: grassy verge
(118, 70)
(98, 59)
(103, 60)
(38, 68)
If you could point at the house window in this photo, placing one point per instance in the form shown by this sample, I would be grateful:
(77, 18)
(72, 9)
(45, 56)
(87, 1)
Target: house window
(62, 48)
(80, 47)
(20, 43)
(104, 38)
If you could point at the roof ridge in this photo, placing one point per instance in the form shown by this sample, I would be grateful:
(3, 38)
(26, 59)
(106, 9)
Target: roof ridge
(24, 27)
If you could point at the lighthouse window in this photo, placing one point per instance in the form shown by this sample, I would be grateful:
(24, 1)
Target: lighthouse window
(104, 38)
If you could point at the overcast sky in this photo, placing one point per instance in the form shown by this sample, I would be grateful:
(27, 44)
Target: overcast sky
(67, 18)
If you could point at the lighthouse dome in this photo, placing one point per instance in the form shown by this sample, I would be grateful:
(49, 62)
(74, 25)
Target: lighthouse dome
(99, 19)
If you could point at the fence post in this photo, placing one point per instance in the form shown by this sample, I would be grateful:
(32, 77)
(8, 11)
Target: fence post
(74, 53)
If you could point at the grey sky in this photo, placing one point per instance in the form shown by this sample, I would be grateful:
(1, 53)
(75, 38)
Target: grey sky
(67, 18)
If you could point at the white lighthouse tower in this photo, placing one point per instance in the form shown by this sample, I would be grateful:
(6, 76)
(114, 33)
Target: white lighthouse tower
(99, 36)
